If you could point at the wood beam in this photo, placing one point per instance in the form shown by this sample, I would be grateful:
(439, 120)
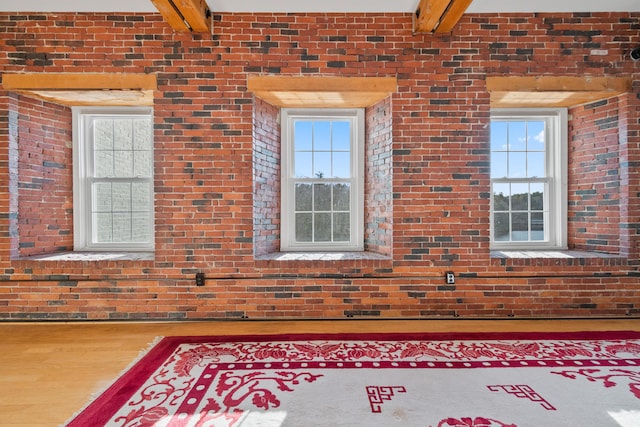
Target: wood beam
(453, 15)
(185, 15)
(558, 83)
(321, 92)
(438, 16)
(79, 81)
(549, 91)
(84, 88)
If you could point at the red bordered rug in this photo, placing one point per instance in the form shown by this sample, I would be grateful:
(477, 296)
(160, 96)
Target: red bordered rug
(422, 380)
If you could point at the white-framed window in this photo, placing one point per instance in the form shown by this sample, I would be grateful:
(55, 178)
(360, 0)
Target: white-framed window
(529, 179)
(322, 180)
(113, 178)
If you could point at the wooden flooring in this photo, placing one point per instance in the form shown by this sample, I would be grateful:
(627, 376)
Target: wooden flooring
(48, 371)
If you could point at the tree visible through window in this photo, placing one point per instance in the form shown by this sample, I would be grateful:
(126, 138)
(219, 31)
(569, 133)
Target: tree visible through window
(113, 182)
(528, 168)
(322, 180)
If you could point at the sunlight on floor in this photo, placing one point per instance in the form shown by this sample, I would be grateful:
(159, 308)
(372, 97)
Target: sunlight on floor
(269, 418)
(626, 418)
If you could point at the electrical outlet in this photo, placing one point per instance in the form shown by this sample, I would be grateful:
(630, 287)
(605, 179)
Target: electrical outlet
(199, 279)
(450, 278)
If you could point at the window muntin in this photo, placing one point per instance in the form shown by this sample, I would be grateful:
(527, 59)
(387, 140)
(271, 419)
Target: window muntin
(528, 179)
(322, 180)
(113, 179)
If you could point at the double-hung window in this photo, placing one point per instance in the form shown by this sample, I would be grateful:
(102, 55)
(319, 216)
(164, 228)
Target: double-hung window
(322, 179)
(528, 178)
(113, 179)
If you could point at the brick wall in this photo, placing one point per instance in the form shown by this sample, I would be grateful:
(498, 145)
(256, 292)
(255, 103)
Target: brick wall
(594, 167)
(45, 177)
(214, 202)
(266, 178)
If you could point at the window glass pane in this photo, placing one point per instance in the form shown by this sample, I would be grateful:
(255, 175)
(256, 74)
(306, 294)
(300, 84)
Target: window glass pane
(141, 197)
(121, 197)
(304, 224)
(322, 164)
(303, 133)
(322, 197)
(517, 165)
(304, 197)
(341, 197)
(499, 136)
(122, 227)
(499, 165)
(103, 164)
(536, 140)
(322, 136)
(537, 196)
(520, 227)
(102, 227)
(519, 197)
(341, 135)
(103, 134)
(123, 165)
(102, 197)
(341, 227)
(303, 164)
(322, 227)
(537, 226)
(501, 194)
(341, 165)
(501, 227)
(142, 134)
(123, 134)
(535, 165)
(517, 136)
(141, 231)
(143, 166)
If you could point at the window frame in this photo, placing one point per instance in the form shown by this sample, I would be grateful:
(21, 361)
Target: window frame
(556, 168)
(288, 180)
(83, 150)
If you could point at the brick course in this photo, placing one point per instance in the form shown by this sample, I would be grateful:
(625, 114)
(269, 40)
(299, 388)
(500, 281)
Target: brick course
(216, 166)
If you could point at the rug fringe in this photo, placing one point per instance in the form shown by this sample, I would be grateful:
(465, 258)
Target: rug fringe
(94, 395)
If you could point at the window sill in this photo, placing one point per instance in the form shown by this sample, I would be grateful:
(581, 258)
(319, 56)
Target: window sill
(321, 256)
(549, 254)
(93, 256)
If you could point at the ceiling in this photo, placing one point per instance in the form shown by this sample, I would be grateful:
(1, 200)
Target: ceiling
(478, 6)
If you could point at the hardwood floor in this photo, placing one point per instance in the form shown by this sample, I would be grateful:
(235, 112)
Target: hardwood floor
(48, 371)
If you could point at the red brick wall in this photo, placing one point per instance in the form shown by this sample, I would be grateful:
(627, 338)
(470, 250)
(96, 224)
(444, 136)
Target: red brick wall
(434, 209)
(45, 178)
(594, 177)
(378, 236)
(266, 178)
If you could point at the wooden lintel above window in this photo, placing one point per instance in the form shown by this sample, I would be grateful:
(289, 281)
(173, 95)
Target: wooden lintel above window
(438, 16)
(185, 15)
(553, 91)
(321, 92)
(84, 88)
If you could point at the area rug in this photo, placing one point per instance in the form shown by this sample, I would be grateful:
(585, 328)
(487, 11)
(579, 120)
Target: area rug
(422, 380)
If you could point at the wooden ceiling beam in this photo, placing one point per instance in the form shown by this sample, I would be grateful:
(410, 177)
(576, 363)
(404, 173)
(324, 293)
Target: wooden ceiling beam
(453, 15)
(438, 16)
(185, 15)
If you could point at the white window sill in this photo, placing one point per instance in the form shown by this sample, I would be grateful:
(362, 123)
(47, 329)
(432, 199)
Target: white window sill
(321, 256)
(94, 256)
(511, 254)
